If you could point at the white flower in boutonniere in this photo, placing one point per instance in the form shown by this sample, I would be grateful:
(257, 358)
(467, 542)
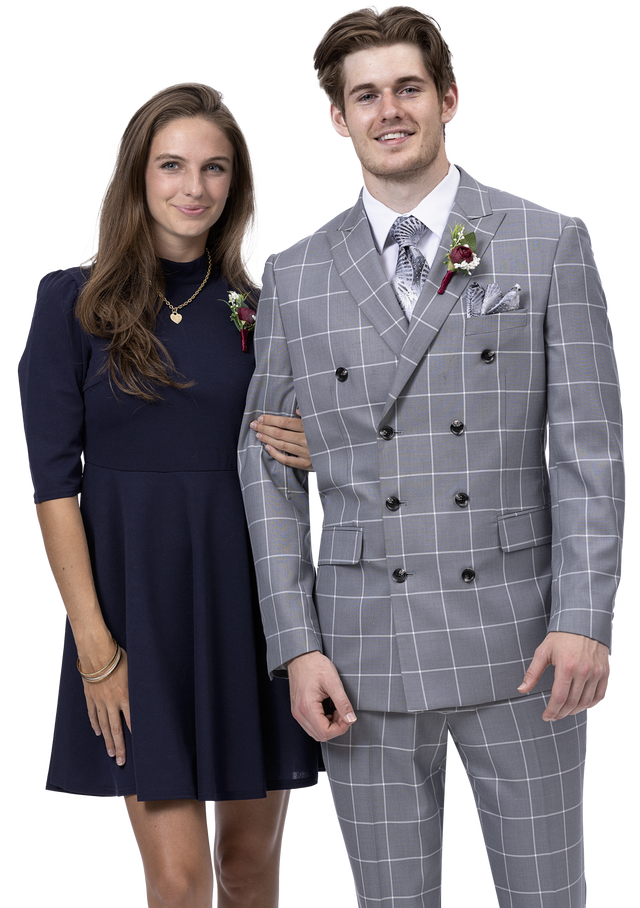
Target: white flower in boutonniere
(243, 317)
(461, 255)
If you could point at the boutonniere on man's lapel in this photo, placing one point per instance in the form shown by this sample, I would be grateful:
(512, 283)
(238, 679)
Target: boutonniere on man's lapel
(489, 300)
(461, 255)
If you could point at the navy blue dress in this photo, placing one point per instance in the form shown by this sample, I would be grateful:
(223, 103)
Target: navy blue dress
(163, 513)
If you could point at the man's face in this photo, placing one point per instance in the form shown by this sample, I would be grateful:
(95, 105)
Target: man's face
(392, 113)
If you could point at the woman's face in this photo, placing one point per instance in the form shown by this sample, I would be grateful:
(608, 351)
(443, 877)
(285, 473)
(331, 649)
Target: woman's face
(188, 178)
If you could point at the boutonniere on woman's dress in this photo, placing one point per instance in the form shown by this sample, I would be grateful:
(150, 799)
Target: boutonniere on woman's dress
(461, 255)
(243, 317)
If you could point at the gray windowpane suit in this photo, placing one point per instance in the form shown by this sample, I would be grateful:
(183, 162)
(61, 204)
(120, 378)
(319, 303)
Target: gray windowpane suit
(449, 546)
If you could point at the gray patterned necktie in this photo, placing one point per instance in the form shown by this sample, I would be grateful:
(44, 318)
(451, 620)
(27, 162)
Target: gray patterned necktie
(411, 268)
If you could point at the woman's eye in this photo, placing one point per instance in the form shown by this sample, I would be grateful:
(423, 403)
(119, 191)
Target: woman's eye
(170, 165)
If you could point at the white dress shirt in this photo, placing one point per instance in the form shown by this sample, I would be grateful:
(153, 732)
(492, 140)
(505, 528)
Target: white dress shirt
(433, 211)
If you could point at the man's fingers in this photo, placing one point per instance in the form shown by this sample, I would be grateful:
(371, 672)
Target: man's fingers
(581, 674)
(319, 719)
(533, 674)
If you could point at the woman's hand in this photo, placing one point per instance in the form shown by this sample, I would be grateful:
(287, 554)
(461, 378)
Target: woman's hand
(66, 544)
(284, 439)
(107, 702)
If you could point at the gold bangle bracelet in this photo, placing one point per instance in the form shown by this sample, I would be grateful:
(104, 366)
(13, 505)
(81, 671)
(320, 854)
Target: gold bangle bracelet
(111, 668)
(89, 675)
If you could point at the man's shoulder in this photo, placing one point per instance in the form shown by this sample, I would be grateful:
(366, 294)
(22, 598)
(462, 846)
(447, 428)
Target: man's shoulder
(491, 199)
(317, 246)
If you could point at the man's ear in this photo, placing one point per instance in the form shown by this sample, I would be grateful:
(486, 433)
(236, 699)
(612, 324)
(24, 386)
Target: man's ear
(339, 122)
(450, 103)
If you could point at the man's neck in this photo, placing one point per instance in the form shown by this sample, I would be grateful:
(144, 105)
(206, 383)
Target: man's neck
(403, 194)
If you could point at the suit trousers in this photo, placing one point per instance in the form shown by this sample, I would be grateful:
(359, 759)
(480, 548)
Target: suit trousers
(387, 776)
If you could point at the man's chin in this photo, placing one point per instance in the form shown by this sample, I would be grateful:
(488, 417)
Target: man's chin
(398, 173)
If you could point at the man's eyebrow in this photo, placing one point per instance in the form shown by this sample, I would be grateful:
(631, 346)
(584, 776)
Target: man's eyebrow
(370, 86)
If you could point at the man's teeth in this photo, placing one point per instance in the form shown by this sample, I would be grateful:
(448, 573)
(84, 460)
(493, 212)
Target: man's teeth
(394, 135)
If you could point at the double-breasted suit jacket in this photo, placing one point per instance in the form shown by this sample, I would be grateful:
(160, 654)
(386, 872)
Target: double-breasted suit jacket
(451, 541)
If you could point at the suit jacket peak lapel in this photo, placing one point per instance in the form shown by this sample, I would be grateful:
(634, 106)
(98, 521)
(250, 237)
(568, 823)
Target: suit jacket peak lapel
(472, 198)
(358, 264)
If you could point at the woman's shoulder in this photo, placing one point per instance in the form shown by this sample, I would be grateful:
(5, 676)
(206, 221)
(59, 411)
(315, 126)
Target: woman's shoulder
(63, 285)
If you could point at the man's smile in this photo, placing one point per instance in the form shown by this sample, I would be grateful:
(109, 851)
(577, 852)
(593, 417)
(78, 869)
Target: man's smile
(389, 136)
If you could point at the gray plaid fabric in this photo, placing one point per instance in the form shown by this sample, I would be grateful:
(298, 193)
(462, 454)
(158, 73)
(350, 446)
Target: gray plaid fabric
(411, 268)
(387, 778)
(450, 544)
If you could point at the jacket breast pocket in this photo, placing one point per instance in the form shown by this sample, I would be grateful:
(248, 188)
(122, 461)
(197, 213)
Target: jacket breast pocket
(340, 545)
(525, 529)
(502, 321)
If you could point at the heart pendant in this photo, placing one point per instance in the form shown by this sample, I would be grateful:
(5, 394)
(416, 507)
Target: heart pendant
(176, 317)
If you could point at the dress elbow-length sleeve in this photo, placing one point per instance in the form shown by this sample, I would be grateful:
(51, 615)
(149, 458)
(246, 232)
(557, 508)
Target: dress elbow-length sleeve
(52, 373)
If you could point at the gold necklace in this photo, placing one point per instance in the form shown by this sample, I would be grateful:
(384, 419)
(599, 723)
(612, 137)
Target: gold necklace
(175, 315)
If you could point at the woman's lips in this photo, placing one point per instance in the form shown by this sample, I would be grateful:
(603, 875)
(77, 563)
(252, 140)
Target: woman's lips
(191, 212)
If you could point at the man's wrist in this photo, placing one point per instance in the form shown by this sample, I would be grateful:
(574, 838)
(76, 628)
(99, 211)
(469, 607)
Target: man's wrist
(301, 656)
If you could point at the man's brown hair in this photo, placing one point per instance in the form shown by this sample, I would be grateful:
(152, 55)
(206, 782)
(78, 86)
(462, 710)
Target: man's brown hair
(366, 28)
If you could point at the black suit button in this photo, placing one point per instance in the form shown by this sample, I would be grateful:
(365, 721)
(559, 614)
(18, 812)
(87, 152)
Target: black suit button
(457, 427)
(468, 575)
(392, 503)
(399, 575)
(461, 499)
(342, 374)
(488, 356)
(386, 432)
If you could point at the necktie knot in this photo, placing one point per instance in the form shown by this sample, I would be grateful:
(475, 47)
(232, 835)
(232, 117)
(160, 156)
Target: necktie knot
(407, 230)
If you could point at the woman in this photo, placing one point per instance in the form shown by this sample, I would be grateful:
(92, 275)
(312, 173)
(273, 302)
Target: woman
(136, 366)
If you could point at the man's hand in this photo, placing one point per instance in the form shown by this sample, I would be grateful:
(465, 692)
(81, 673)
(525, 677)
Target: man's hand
(581, 673)
(284, 439)
(312, 679)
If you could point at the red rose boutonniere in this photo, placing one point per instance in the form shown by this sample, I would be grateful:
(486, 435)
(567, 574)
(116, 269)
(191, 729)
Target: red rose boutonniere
(461, 256)
(243, 317)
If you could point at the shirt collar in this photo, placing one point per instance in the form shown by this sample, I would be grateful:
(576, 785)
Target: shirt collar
(433, 210)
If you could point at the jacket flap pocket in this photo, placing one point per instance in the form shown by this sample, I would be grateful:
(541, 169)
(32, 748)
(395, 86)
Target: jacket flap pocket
(340, 545)
(525, 529)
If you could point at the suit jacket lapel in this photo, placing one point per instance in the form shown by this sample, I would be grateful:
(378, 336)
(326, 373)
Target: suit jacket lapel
(471, 209)
(358, 264)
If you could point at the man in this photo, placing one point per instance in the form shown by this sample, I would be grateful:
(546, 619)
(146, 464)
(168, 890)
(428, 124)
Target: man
(431, 336)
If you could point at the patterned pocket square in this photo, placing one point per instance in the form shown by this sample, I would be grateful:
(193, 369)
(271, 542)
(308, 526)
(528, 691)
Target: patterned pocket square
(479, 300)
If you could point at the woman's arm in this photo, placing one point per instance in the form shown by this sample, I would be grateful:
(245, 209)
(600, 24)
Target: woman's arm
(66, 545)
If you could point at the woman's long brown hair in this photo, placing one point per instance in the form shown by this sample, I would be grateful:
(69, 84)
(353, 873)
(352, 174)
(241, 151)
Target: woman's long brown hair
(120, 299)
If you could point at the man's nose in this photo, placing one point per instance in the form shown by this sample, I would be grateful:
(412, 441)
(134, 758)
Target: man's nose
(390, 108)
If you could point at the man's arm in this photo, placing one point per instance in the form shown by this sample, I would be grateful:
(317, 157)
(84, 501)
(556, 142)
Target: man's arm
(587, 483)
(277, 506)
(276, 498)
